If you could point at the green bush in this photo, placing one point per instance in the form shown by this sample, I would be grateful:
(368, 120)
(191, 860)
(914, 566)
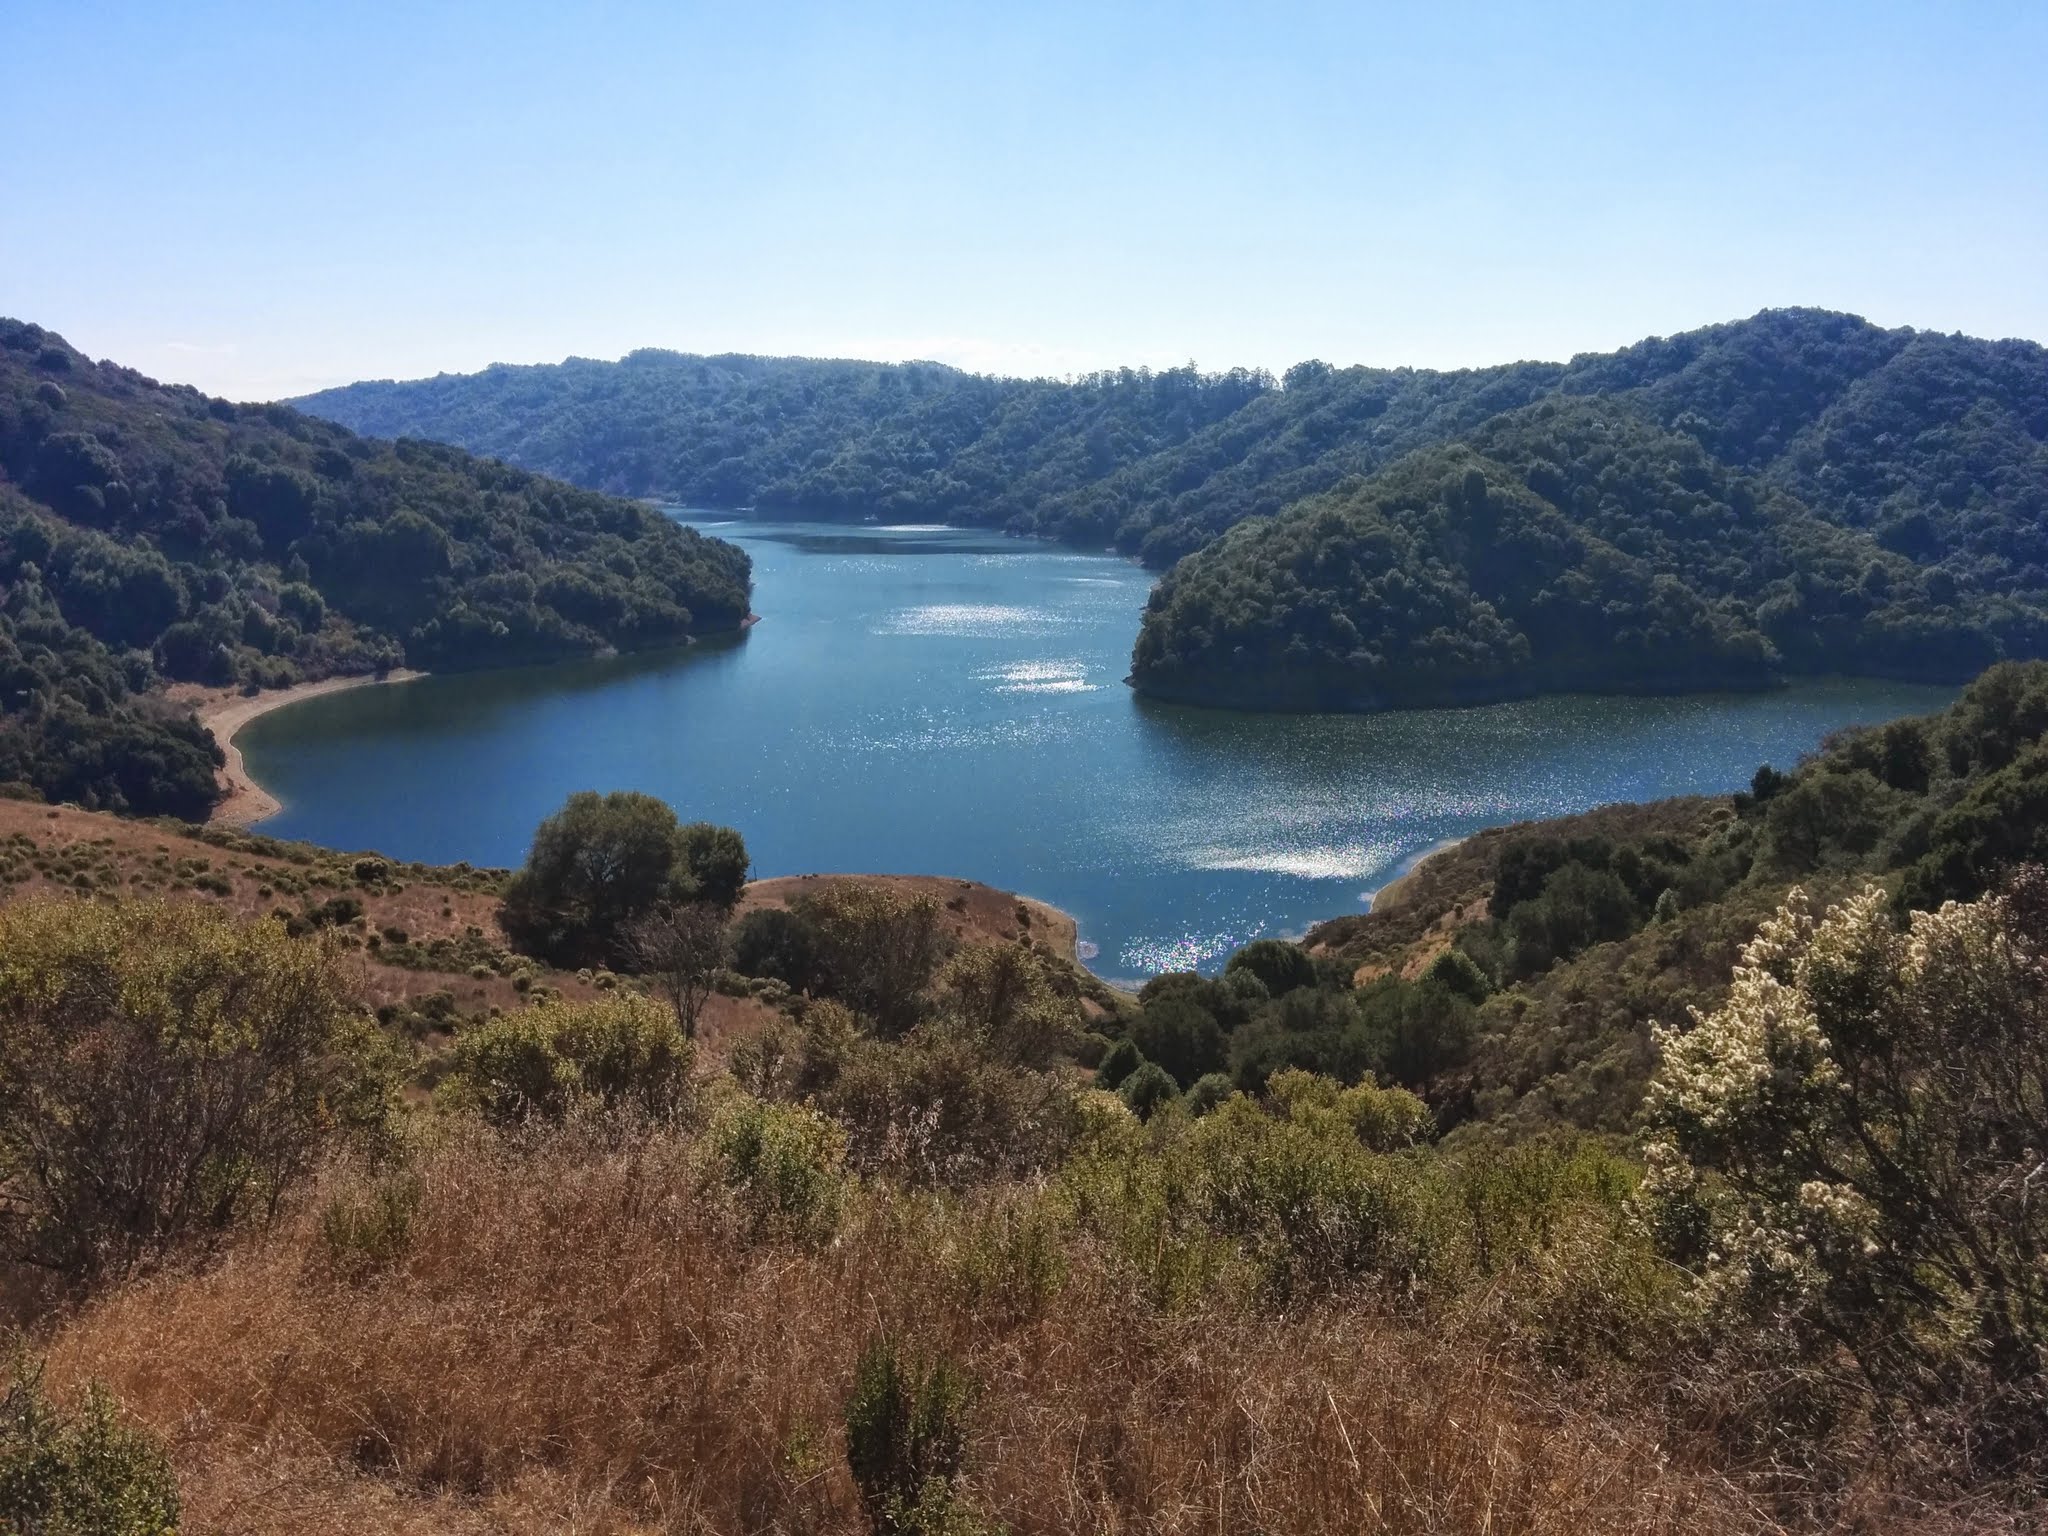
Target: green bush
(620, 1052)
(938, 1106)
(167, 1072)
(1457, 972)
(1280, 966)
(1208, 1092)
(1118, 1063)
(1843, 1151)
(774, 941)
(1182, 1037)
(1148, 1089)
(906, 1437)
(79, 1474)
(781, 1163)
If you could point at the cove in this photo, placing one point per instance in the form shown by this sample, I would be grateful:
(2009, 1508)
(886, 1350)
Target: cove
(927, 700)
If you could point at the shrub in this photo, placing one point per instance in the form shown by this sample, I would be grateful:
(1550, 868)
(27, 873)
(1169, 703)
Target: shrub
(1118, 1063)
(82, 1474)
(774, 941)
(906, 1436)
(166, 1072)
(1208, 1092)
(335, 912)
(935, 1107)
(1181, 1036)
(1279, 966)
(1415, 1029)
(876, 950)
(1846, 1149)
(1457, 972)
(619, 1052)
(1383, 1119)
(781, 1163)
(1148, 1089)
(1003, 997)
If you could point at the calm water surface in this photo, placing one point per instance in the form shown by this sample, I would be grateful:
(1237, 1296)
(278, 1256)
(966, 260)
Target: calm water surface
(936, 701)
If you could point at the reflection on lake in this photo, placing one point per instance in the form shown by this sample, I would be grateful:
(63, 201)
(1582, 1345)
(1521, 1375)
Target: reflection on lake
(927, 700)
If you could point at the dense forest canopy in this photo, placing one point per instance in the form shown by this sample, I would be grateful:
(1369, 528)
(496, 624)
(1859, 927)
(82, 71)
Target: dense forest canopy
(1569, 544)
(149, 533)
(1936, 443)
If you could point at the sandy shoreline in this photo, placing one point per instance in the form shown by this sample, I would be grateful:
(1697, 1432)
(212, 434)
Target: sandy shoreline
(225, 711)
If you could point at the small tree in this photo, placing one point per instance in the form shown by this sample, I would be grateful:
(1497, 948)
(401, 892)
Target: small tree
(713, 863)
(1852, 1147)
(774, 941)
(680, 950)
(1148, 1089)
(602, 863)
(165, 1072)
(597, 865)
(1118, 1063)
(1281, 966)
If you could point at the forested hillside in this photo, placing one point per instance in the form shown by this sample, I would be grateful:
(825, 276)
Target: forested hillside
(1568, 545)
(149, 533)
(1934, 442)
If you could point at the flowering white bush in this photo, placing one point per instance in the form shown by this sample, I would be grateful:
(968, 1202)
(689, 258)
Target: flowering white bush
(1855, 1144)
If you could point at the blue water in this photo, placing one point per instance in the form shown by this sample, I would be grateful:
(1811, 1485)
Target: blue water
(937, 701)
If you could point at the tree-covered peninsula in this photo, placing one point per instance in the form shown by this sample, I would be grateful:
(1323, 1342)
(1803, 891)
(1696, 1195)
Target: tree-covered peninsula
(1570, 545)
(149, 534)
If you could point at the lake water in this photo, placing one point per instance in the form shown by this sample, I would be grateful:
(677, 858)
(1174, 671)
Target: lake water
(937, 701)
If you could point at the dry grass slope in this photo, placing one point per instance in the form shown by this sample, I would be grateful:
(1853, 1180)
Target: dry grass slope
(578, 1338)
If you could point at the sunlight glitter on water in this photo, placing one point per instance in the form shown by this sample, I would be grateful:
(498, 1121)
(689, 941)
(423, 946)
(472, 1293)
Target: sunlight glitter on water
(967, 620)
(1347, 861)
(1039, 677)
(1188, 952)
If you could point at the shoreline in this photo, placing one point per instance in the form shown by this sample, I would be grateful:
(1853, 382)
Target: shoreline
(1379, 900)
(225, 711)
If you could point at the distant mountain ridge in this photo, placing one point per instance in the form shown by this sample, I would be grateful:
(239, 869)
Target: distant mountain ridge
(1916, 435)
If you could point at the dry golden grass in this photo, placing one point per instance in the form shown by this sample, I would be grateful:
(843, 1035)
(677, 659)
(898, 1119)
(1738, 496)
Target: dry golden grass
(438, 905)
(578, 1340)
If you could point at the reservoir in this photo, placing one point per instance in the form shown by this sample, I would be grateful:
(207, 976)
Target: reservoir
(928, 700)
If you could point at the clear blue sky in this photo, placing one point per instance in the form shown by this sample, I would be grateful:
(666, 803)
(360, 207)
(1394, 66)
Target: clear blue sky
(264, 198)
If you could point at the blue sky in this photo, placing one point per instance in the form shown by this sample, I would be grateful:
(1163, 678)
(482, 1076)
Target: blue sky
(267, 198)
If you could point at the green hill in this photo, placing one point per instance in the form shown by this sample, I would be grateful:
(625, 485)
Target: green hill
(1568, 545)
(149, 533)
(1935, 441)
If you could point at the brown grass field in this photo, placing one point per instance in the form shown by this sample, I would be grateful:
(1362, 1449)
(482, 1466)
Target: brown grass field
(578, 1340)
